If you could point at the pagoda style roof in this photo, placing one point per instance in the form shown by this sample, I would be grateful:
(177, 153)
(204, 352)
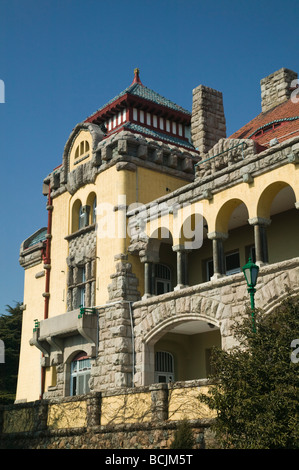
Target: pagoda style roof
(144, 111)
(137, 89)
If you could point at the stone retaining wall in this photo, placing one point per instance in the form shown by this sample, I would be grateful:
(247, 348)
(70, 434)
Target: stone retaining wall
(141, 418)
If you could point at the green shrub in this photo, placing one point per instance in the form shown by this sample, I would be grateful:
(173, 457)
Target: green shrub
(183, 437)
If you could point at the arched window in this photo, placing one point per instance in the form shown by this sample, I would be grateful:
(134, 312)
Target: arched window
(94, 207)
(81, 218)
(164, 367)
(162, 279)
(91, 202)
(80, 374)
(82, 149)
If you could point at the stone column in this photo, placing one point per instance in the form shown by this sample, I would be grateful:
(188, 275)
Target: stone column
(260, 239)
(218, 253)
(148, 269)
(182, 266)
(149, 257)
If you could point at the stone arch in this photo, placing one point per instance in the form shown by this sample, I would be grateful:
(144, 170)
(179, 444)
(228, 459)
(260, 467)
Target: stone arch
(171, 315)
(96, 136)
(175, 331)
(169, 323)
(274, 287)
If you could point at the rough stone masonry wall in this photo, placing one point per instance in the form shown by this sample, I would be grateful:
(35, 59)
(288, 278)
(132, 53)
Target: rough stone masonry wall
(276, 88)
(220, 302)
(114, 363)
(76, 423)
(208, 120)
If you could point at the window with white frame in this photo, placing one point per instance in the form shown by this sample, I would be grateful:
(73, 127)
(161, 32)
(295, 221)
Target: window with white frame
(232, 263)
(80, 375)
(164, 367)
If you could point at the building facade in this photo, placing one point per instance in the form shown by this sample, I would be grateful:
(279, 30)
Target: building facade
(151, 216)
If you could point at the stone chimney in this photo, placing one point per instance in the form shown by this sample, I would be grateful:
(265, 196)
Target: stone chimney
(208, 119)
(277, 88)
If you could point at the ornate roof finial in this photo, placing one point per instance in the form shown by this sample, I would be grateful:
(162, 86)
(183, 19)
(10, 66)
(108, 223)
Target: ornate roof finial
(136, 77)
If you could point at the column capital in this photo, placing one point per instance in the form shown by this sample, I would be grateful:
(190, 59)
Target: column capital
(217, 236)
(149, 257)
(181, 248)
(259, 221)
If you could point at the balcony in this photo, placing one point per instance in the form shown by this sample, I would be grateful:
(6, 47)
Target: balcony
(55, 335)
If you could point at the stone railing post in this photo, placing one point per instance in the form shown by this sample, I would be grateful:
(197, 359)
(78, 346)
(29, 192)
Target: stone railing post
(93, 409)
(159, 396)
(41, 416)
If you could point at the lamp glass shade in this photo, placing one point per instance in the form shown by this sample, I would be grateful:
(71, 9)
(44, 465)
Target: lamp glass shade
(251, 271)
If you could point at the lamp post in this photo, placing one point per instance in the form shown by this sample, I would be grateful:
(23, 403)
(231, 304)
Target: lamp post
(251, 271)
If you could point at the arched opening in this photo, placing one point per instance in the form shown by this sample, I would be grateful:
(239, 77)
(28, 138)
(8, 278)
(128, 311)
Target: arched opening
(92, 204)
(76, 211)
(186, 348)
(197, 249)
(239, 245)
(277, 205)
(160, 264)
(230, 215)
(233, 240)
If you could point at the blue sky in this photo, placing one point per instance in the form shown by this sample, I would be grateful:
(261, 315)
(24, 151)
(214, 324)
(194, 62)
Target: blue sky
(62, 60)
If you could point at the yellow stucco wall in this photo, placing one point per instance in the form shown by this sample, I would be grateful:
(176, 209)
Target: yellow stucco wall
(185, 403)
(59, 253)
(29, 363)
(128, 408)
(67, 415)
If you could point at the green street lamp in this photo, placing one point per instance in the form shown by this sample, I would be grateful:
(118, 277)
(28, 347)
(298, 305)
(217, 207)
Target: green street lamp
(251, 271)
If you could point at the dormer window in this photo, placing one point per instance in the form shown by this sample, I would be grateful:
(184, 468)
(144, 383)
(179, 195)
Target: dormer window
(269, 127)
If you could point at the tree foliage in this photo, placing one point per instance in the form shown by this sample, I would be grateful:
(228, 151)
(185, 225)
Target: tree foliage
(10, 333)
(256, 395)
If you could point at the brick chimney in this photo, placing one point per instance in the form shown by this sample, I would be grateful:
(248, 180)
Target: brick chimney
(277, 88)
(208, 120)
